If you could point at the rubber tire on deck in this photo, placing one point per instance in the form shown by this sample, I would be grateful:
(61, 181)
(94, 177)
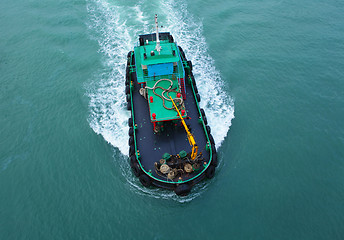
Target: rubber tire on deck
(129, 106)
(130, 122)
(210, 172)
(127, 89)
(198, 97)
(182, 189)
(136, 169)
(145, 180)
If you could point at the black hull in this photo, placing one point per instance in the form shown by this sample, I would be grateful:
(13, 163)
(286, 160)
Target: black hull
(147, 148)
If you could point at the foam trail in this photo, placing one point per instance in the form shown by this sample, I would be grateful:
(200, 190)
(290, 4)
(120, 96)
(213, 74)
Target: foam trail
(107, 99)
(187, 31)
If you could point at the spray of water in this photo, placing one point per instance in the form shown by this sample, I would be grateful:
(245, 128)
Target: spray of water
(109, 25)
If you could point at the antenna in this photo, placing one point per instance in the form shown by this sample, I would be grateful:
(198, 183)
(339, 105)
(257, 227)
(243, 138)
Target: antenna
(158, 47)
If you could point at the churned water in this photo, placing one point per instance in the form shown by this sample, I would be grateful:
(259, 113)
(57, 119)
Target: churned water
(270, 75)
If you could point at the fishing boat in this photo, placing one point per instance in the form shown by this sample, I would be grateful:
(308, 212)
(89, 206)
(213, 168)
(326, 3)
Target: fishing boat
(170, 142)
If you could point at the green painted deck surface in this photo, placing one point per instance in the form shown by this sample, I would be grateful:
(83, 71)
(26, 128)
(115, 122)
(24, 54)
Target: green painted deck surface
(165, 56)
(162, 114)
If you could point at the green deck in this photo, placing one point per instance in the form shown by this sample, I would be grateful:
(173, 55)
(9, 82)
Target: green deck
(162, 114)
(165, 56)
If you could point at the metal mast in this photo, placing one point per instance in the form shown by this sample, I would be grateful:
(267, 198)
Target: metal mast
(158, 47)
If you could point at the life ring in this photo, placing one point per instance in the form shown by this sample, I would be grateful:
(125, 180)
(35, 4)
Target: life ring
(210, 172)
(182, 189)
(136, 169)
(145, 180)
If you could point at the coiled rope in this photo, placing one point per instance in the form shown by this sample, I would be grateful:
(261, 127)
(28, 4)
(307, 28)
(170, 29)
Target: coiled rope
(167, 91)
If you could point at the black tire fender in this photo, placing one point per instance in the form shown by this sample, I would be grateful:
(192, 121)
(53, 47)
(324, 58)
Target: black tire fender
(130, 122)
(132, 150)
(182, 189)
(131, 141)
(136, 169)
(131, 132)
(214, 159)
(210, 172)
(208, 129)
(145, 180)
(205, 120)
(129, 106)
(195, 89)
(127, 89)
(132, 160)
(181, 52)
(198, 97)
(202, 112)
(190, 65)
(211, 139)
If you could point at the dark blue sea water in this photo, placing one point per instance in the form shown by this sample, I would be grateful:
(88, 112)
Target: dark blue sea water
(270, 74)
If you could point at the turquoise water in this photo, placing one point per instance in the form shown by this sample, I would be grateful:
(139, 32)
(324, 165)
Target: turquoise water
(277, 66)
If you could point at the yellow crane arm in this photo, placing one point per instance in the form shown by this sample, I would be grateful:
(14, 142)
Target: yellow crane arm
(191, 139)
